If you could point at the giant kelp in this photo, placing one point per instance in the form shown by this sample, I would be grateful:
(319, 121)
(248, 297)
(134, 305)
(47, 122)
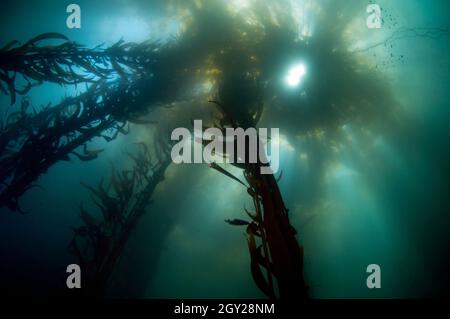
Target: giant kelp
(271, 237)
(258, 44)
(100, 241)
(33, 139)
(32, 142)
(243, 65)
(124, 81)
(69, 63)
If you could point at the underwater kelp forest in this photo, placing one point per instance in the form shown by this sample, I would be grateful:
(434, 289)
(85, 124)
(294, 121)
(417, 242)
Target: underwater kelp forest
(349, 198)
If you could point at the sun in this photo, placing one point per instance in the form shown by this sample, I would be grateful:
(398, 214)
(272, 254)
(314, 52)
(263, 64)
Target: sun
(295, 75)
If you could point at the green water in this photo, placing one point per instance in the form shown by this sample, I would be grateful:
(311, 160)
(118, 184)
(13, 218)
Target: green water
(365, 185)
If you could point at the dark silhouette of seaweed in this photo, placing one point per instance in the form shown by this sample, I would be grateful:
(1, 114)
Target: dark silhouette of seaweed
(32, 142)
(278, 251)
(150, 73)
(99, 242)
(69, 62)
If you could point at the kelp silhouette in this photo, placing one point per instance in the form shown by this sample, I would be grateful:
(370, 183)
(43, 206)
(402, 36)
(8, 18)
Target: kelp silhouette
(246, 59)
(99, 242)
(32, 141)
(278, 251)
(69, 62)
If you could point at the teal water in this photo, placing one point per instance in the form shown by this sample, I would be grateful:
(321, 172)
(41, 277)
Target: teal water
(365, 185)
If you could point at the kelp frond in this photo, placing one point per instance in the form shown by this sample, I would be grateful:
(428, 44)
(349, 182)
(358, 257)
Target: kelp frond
(69, 62)
(99, 242)
(31, 142)
(271, 239)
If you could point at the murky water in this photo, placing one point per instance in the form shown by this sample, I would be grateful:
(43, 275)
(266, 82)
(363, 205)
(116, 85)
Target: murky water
(364, 147)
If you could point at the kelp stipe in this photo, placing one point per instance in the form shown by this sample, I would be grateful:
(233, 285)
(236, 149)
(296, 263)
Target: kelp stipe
(271, 238)
(283, 256)
(279, 252)
(100, 241)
